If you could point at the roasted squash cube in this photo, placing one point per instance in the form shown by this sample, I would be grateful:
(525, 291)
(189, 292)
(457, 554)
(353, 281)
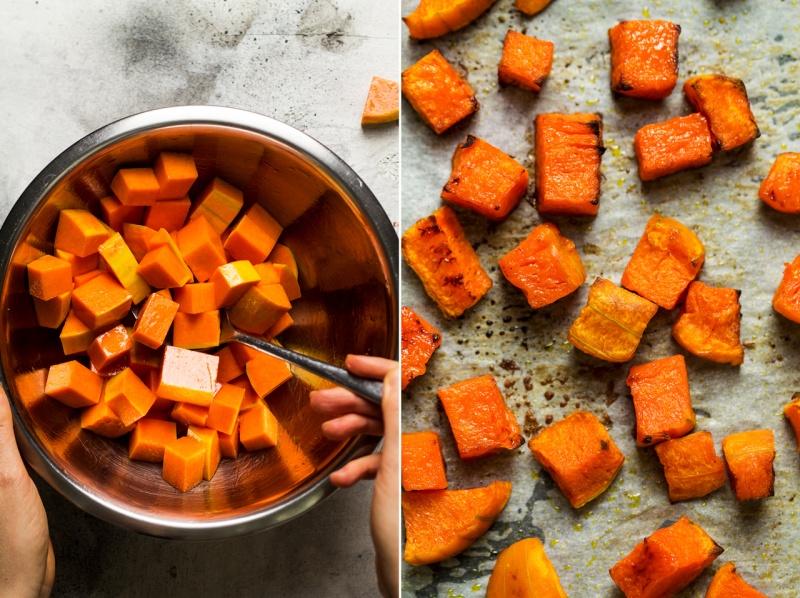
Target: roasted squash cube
(568, 150)
(666, 561)
(668, 147)
(611, 323)
(786, 300)
(526, 61)
(437, 92)
(423, 464)
(383, 102)
(545, 266)
(439, 252)
(442, 523)
(417, 343)
(433, 18)
(485, 180)
(516, 569)
(644, 58)
(667, 258)
(709, 324)
(792, 413)
(723, 101)
(727, 583)
(579, 455)
(482, 423)
(749, 457)
(691, 466)
(780, 189)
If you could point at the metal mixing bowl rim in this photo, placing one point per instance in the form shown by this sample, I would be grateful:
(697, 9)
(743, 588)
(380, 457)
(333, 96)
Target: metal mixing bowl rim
(308, 494)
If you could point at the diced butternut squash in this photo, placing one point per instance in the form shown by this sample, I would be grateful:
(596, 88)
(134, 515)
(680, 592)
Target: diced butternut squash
(691, 466)
(284, 323)
(516, 569)
(196, 331)
(266, 373)
(210, 441)
(485, 180)
(143, 361)
(184, 461)
(611, 324)
(258, 428)
(418, 341)
(100, 419)
(110, 347)
(250, 399)
(579, 455)
(232, 281)
(423, 464)
(433, 18)
(75, 335)
(169, 214)
(253, 236)
(748, 458)
(79, 232)
(154, 321)
(383, 102)
(668, 147)
(73, 384)
(196, 298)
(709, 324)
(568, 150)
(780, 189)
(437, 93)
(80, 265)
(243, 353)
(128, 396)
(644, 58)
(666, 561)
(175, 173)
(82, 279)
(188, 376)
(532, 7)
(119, 260)
(281, 254)
(482, 423)
(224, 410)
(792, 413)
(150, 438)
(135, 186)
(201, 248)
(442, 523)
(219, 202)
(723, 101)
(667, 258)
(137, 238)
(52, 313)
(546, 266)
(288, 280)
(116, 215)
(163, 267)
(229, 443)
(526, 61)
(661, 400)
(259, 308)
(727, 583)
(228, 366)
(49, 277)
(100, 301)
(437, 249)
(188, 414)
(786, 300)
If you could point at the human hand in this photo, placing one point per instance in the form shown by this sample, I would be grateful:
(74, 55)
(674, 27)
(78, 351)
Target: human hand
(27, 563)
(352, 416)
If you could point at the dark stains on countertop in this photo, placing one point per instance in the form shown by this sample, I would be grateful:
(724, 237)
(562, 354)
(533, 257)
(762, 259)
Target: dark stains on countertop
(323, 24)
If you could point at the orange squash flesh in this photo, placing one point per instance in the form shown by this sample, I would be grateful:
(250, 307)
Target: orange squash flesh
(437, 249)
(611, 324)
(423, 464)
(223, 413)
(792, 413)
(442, 523)
(162, 267)
(667, 258)
(138, 238)
(723, 101)
(52, 313)
(579, 455)
(196, 298)
(485, 180)
(251, 399)
(110, 347)
(80, 265)
(284, 323)
(75, 336)
(100, 419)
(545, 266)
(189, 415)
(709, 324)
(128, 397)
(437, 93)
(196, 331)
(219, 202)
(516, 569)
(201, 248)
(532, 7)
(169, 214)
(119, 260)
(79, 232)
(644, 58)
(228, 366)
(260, 308)
(73, 384)
(568, 150)
(288, 280)
(727, 583)
(49, 277)
(143, 361)
(786, 300)
(433, 18)
(253, 236)
(135, 186)
(150, 438)
(281, 254)
(748, 458)
(116, 215)
(232, 280)
(188, 376)
(184, 461)
(661, 400)
(383, 102)
(100, 301)
(666, 561)
(229, 443)
(210, 441)
(175, 173)
(266, 373)
(482, 423)
(780, 189)
(82, 279)
(154, 321)
(418, 341)
(258, 428)
(668, 147)
(526, 61)
(691, 466)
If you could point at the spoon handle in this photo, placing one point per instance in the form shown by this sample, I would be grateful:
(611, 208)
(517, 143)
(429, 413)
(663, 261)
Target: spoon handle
(364, 387)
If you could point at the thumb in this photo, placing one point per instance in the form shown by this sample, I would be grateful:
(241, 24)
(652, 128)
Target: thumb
(390, 404)
(10, 459)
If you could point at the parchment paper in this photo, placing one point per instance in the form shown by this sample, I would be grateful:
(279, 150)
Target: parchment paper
(540, 373)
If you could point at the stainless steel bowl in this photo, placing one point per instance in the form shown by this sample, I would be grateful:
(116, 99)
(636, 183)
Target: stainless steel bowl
(347, 252)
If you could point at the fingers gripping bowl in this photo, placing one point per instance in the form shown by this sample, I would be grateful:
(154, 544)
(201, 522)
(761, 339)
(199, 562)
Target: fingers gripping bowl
(346, 250)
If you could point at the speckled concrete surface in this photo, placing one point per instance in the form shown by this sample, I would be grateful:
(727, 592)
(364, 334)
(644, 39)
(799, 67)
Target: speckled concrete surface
(71, 67)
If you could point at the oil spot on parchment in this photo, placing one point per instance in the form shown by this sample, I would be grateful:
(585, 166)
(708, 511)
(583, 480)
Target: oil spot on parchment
(323, 24)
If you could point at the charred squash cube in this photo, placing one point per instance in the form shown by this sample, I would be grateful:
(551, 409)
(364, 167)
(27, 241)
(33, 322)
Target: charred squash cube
(423, 464)
(780, 190)
(644, 58)
(786, 300)
(668, 147)
(418, 341)
(526, 61)
(691, 466)
(749, 457)
(723, 101)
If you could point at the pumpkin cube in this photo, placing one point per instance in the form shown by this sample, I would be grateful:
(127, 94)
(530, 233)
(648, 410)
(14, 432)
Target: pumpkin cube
(196, 331)
(691, 466)
(723, 101)
(110, 347)
(154, 321)
(188, 376)
(258, 428)
(128, 396)
(526, 61)
(727, 583)
(644, 58)
(383, 102)
(418, 342)
(119, 260)
(668, 147)
(169, 214)
(176, 173)
(150, 438)
(260, 308)
(748, 458)
(73, 384)
(52, 313)
(423, 464)
(80, 232)
(792, 413)
(184, 461)
(49, 277)
(780, 189)
(210, 441)
(253, 236)
(232, 280)
(100, 301)
(135, 186)
(219, 202)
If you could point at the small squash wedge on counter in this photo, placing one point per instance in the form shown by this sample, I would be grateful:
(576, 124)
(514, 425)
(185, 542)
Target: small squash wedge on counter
(442, 523)
(433, 18)
(523, 571)
(383, 102)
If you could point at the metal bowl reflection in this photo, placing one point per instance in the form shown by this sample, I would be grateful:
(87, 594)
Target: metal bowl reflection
(347, 253)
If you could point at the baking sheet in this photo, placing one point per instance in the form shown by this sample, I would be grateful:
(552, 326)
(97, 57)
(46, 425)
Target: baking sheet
(540, 373)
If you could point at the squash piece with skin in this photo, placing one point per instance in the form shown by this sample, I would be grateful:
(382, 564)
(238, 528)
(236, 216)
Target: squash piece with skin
(523, 571)
(383, 102)
(433, 18)
(727, 583)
